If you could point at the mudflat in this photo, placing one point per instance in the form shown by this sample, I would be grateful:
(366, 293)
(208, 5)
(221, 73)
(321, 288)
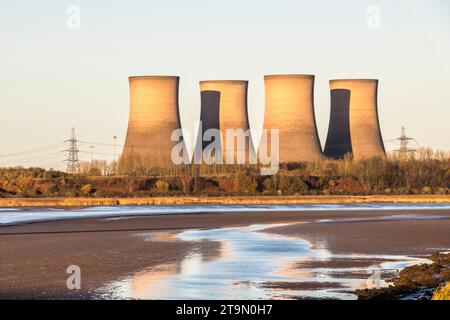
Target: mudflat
(35, 256)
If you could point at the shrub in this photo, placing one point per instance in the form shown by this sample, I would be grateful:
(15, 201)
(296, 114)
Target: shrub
(162, 186)
(87, 189)
(244, 183)
(284, 185)
(426, 190)
(293, 185)
(346, 185)
(226, 184)
(269, 185)
(94, 172)
(442, 293)
(208, 186)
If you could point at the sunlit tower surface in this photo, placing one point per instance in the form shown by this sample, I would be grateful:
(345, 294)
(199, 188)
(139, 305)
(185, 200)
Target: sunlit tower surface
(154, 116)
(405, 151)
(73, 164)
(289, 108)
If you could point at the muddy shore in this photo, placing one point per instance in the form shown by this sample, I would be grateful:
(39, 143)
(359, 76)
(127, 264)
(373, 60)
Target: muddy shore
(34, 256)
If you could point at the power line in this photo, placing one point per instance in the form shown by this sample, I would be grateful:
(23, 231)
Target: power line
(100, 143)
(73, 160)
(49, 147)
(136, 146)
(54, 164)
(49, 164)
(100, 153)
(40, 157)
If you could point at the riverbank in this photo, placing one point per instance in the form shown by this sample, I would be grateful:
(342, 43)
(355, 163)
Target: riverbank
(249, 200)
(414, 282)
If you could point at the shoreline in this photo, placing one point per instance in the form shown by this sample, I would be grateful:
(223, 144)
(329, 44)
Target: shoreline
(39, 253)
(230, 200)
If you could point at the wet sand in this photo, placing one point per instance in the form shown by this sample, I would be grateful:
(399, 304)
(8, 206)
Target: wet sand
(34, 256)
(410, 238)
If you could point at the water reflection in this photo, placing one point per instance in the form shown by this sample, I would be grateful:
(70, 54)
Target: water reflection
(251, 264)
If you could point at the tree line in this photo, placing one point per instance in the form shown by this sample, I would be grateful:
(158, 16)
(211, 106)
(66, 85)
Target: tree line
(428, 172)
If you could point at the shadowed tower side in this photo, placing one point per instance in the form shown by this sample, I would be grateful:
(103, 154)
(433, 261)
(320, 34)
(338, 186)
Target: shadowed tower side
(290, 109)
(338, 140)
(154, 115)
(209, 117)
(233, 113)
(365, 133)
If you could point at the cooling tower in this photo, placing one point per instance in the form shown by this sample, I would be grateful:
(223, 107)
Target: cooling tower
(364, 127)
(232, 113)
(154, 115)
(290, 109)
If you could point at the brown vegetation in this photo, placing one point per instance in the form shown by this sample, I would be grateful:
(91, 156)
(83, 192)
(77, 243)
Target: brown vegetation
(415, 279)
(442, 293)
(427, 174)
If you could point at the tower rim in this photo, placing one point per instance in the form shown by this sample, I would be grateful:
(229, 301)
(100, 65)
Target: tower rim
(225, 81)
(289, 76)
(153, 77)
(354, 80)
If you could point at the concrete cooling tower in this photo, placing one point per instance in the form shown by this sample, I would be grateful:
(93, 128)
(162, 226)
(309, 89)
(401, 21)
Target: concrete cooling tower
(290, 109)
(356, 100)
(232, 112)
(154, 115)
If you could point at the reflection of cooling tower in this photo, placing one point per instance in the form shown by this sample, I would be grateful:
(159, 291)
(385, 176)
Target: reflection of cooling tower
(338, 141)
(290, 108)
(365, 133)
(154, 115)
(232, 112)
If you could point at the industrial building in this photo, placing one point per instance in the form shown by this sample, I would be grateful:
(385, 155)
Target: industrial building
(354, 126)
(233, 114)
(154, 115)
(290, 109)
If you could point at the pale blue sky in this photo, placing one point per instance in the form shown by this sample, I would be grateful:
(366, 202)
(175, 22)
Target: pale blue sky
(53, 78)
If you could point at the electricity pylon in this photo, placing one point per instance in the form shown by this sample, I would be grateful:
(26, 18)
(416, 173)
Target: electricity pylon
(73, 164)
(405, 151)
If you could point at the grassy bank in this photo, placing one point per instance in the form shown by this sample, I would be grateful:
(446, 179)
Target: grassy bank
(255, 200)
